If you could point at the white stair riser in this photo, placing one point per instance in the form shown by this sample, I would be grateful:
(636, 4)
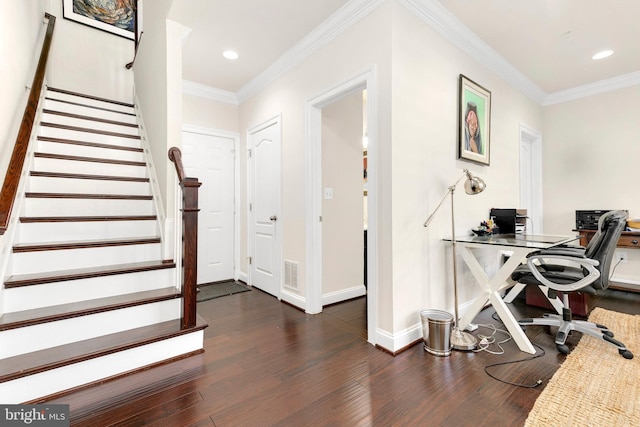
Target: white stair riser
(87, 101)
(70, 207)
(89, 137)
(42, 232)
(65, 259)
(18, 341)
(57, 380)
(41, 164)
(88, 111)
(89, 124)
(87, 151)
(37, 296)
(45, 184)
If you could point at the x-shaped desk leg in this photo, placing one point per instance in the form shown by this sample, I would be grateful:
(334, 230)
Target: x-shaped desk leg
(490, 290)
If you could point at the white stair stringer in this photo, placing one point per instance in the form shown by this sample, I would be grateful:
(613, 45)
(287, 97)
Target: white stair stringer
(95, 369)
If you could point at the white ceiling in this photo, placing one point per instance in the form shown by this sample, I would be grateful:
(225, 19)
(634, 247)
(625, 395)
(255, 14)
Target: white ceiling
(548, 42)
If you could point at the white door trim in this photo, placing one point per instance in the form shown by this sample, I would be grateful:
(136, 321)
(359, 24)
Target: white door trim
(277, 119)
(533, 138)
(236, 184)
(313, 191)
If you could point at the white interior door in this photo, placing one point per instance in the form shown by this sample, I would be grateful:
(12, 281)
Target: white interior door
(264, 206)
(210, 158)
(531, 178)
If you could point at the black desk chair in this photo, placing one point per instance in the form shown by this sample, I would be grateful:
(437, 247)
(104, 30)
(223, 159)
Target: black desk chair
(578, 271)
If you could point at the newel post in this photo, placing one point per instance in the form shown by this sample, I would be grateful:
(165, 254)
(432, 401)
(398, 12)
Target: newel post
(189, 240)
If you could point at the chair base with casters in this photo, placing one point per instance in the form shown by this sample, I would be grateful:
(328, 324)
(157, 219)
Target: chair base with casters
(566, 324)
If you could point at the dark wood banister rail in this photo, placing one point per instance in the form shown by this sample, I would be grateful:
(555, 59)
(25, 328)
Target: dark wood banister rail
(135, 53)
(189, 239)
(14, 171)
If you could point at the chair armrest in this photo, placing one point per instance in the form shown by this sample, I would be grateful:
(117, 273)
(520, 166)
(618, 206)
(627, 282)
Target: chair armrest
(587, 263)
(561, 251)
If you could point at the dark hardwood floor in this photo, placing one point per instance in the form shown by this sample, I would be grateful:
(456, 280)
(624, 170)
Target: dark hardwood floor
(269, 364)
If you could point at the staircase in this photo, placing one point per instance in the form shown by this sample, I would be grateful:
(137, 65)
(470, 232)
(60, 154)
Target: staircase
(89, 296)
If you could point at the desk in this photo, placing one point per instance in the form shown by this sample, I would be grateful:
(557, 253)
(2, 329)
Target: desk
(520, 245)
(628, 239)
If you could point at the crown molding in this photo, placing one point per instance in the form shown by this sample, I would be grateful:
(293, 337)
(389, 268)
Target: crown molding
(448, 26)
(436, 16)
(208, 92)
(336, 24)
(602, 86)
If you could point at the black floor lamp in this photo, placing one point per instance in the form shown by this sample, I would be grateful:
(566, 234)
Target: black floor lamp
(473, 185)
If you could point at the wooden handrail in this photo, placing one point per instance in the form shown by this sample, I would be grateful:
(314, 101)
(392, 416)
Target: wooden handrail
(189, 239)
(14, 171)
(135, 52)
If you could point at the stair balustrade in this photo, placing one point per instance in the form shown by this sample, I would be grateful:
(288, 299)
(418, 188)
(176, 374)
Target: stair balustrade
(189, 239)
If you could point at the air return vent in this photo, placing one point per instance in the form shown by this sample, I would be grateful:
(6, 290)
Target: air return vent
(291, 275)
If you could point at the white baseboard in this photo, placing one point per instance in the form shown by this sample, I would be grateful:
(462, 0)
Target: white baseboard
(293, 299)
(343, 295)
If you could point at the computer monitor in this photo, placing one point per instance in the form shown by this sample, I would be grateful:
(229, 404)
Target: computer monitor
(505, 219)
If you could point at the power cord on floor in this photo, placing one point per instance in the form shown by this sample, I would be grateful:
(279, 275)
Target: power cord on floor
(488, 340)
(535, 356)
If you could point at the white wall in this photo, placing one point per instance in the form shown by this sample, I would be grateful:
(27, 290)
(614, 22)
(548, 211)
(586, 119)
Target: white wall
(158, 86)
(365, 45)
(424, 160)
(343, 214)
(21, 36)
(590, 161)
(202, 112)
(88, 60)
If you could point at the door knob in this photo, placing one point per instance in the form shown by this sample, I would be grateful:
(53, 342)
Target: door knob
(273, 218)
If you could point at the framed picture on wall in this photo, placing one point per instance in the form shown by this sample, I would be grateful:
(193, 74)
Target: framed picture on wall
(117, 17)
(474, 125)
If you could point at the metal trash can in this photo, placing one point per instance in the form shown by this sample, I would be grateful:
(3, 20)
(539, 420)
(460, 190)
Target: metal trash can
(436, 331)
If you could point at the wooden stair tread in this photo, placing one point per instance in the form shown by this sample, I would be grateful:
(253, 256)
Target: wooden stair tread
(40, 219)
(20, 319)
(87, 176)
(89, 144)
(89, 106)
(84, 273)
(55, 357)
(89, 130)
(83, 95)
(88, 159)
(87, 196)
(90, 118)
(81, 244)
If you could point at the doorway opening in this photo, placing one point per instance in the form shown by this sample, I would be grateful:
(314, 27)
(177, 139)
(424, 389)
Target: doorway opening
(343, 205)
(316, 196)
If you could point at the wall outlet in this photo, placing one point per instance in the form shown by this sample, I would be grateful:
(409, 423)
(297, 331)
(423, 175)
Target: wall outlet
(621, 256)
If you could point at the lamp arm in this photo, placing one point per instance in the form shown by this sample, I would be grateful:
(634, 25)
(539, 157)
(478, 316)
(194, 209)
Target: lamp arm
(449, 191)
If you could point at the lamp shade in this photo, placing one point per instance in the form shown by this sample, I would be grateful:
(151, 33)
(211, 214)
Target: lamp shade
(473, 184)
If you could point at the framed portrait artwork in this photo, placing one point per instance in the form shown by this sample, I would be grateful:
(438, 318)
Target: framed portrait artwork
(114, 16)
(474, 125)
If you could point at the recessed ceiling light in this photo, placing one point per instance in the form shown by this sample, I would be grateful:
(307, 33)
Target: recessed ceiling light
(230, 54)
(602, 54)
